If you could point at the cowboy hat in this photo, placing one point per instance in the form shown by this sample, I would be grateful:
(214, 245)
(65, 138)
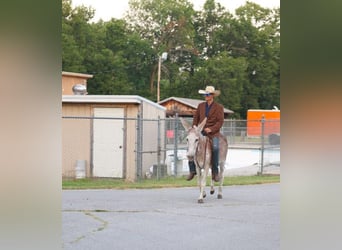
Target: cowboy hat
(210, 90)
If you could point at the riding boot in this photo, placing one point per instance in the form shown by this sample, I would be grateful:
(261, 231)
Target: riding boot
(215, 160)
(192, 170)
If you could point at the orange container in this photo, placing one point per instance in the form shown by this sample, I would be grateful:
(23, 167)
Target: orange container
(272, 122)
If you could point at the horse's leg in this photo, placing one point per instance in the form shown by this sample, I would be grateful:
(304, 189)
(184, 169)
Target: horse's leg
(199, 181)
(212, 189)
(219, 195)
(202, 185)
(205, 180)
(198, 172)
(199, 184)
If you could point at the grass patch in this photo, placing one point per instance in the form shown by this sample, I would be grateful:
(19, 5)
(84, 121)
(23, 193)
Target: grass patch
(110, 183)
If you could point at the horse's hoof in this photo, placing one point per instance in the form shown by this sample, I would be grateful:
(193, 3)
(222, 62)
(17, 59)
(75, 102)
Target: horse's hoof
(200, 200)
(212, 191)
(219, 196)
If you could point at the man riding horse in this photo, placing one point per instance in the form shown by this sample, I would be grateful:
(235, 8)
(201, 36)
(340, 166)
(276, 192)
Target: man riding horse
(215, 118)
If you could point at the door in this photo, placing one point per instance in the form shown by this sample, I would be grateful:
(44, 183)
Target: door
(108, 143)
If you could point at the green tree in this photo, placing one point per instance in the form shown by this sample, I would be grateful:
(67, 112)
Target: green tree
(240, 54)
(209, 24)
(261, 29)
(225, 73)
(168, 26)
(105, 58)
(75, 29)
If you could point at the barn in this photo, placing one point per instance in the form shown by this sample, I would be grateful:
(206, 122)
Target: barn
(112, 136)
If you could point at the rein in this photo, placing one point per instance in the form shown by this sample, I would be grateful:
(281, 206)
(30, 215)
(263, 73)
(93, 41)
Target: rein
(205, 154)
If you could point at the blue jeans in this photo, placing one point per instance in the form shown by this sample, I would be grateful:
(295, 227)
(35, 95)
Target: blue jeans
(216, 152)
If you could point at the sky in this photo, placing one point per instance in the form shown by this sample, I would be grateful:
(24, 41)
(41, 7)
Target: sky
(106, 9)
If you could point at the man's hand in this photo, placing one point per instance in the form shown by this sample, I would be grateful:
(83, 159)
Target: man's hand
(207, 130)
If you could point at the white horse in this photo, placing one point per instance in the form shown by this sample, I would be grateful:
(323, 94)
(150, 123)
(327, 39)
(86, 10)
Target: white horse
(200, 150)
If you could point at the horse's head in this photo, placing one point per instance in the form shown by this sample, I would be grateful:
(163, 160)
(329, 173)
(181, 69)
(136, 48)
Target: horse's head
(193, 137)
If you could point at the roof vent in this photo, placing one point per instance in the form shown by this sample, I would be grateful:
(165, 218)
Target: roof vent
(79, 89)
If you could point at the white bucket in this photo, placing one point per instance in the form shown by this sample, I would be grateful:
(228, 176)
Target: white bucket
(80, 169)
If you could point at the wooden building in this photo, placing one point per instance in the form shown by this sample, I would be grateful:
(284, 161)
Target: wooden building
(185, 107)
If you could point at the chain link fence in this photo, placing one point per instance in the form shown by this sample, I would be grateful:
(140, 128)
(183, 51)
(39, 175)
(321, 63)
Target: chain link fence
(250, 142)
(136, 148)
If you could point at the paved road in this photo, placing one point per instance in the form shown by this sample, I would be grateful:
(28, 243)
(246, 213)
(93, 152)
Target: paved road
(248, 217)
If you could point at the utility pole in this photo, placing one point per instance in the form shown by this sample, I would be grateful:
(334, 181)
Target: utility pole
(161, 58)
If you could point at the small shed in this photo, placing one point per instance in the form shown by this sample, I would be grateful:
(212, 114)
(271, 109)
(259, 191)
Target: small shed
(185, 107)
(107, 132)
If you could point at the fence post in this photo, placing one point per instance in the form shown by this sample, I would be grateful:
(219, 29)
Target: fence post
(262, 144)
(139, 148)
(231, 131)
(158, 149)
(175, 160)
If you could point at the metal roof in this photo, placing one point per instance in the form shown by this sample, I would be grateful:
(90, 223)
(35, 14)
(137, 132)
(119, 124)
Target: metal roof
(109, 99)
(193, 103)
(65, 73)
(265, 110)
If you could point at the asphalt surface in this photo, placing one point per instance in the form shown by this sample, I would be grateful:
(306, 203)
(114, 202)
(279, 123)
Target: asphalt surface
(248, 217)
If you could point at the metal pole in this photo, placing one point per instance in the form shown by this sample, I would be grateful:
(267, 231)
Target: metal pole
(164, 140)
(231, 131)
(139, 147)
(262, 143)
(158, 83)
(176, 144)
(234, 130)
(158, 148)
